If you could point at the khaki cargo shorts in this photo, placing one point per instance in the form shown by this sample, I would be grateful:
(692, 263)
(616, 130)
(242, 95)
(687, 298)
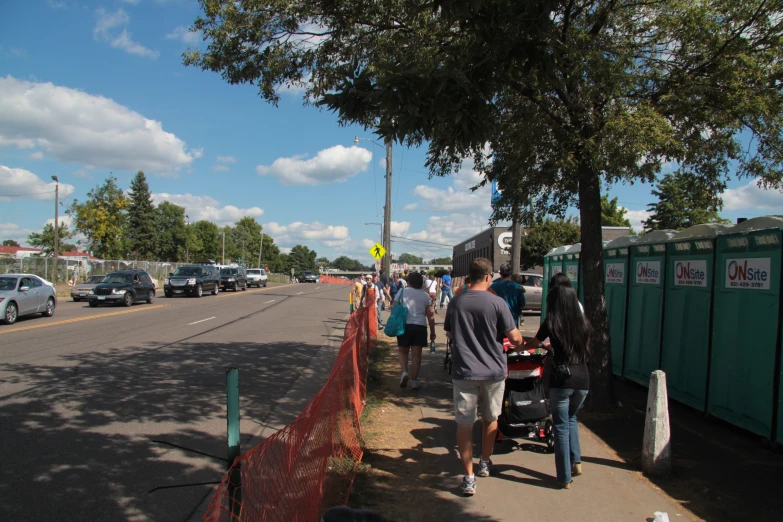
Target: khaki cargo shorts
(469, 394)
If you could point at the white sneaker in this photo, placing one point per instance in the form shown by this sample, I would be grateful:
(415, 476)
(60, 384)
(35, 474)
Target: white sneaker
(404, 380)
(415, 385)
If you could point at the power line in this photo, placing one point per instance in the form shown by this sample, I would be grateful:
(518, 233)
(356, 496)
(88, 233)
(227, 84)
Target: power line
(30, 194)
(421, 241)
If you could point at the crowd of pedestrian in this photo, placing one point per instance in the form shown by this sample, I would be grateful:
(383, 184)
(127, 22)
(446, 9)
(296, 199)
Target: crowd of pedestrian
(480, 315)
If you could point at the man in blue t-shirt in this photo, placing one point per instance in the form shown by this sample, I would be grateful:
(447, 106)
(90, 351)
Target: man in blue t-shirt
(513, 293)
(445, 288)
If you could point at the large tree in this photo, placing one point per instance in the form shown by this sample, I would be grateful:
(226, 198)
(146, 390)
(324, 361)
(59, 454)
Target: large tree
(45, 239)
(568, 94)
(683, 201)
(172, 233)
(441, 261)
(246, 236)
(539, 239)
(102, 219)
(301, 258)
(613, 215)
(142, 219)
(209, 240)
(11, 243)
(410, 259)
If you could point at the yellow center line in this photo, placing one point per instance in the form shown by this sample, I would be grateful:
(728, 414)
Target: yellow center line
(234, 294)
(79, 319)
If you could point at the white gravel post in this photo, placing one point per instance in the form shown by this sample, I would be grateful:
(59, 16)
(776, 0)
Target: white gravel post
(656, 448)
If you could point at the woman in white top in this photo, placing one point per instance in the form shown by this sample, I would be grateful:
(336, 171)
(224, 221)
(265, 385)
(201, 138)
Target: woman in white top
(420, 312)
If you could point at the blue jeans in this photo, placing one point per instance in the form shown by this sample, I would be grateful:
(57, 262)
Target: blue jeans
(379, 304)
(445, 292)
(565, 402)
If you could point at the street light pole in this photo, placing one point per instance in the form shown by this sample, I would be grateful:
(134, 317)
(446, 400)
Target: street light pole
(224, 246)
(56, 225)
(260, 248)
(187, 240)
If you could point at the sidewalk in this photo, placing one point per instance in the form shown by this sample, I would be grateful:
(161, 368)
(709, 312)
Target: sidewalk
(411, 470)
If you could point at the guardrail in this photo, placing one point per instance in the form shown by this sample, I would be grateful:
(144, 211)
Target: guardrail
(308, 466)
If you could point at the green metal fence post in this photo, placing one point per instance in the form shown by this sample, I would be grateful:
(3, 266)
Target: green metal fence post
(232, 422)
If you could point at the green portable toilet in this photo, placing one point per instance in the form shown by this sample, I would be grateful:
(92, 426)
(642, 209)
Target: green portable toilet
(616, 294)
(572, 266)
(690, 278)
(555, 266)
(645, 306)
(744, 364)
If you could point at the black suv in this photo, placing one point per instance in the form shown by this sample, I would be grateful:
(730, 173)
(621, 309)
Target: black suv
(125, 287)
(193, 280)
(233, 278)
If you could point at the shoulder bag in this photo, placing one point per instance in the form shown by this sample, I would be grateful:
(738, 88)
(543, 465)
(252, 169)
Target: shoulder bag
(395, 325)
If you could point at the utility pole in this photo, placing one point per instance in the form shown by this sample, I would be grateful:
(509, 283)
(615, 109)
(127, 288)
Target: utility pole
(387, 210)
(187, 240)
(260, 248)
(56, 226)
(224, 246)
(243, 250)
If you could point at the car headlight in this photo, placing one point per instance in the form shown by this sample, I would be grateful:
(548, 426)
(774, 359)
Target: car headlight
(167, 281)
(192, 281)
(120, 292)
(230, 279)
(92, 291)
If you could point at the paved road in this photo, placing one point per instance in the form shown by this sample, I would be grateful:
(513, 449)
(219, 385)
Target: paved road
(97, 404)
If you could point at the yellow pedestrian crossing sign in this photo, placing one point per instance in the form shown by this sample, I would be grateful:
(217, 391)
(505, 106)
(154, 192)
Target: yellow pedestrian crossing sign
(377, 251)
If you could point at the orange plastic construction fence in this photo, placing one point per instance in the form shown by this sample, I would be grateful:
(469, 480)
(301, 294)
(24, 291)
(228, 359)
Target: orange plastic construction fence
(308, 466)
(335, 280)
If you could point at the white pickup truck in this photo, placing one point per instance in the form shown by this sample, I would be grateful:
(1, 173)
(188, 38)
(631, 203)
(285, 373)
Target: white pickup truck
(257, 277)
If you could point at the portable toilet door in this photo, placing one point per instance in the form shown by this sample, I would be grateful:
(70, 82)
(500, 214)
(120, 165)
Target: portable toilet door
(572, 266)
(645, 306)
(690, 278)
(555, 267)
(616, 294)
(745, 361)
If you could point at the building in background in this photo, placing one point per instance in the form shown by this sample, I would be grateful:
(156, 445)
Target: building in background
(495, 244)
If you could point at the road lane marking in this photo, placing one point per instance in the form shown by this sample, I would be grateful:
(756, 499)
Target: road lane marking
(234, 294)
(317, 287)
(272, 301)
(78, 319)
(203, 320)
(300, 293)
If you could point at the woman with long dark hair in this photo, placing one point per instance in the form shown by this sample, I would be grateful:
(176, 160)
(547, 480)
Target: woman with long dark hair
(569, 334)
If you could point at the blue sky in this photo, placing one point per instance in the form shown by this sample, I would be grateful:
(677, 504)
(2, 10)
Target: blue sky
(88, 88)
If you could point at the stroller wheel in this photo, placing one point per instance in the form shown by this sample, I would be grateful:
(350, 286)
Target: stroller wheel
(549, 436)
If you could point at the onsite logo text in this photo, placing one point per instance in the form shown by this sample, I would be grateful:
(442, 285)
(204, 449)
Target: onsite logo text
(615, 273)
(648, 272)
(752, 273)
(690, 273)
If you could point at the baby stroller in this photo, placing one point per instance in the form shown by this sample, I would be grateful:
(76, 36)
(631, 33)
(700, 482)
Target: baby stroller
(526, 413)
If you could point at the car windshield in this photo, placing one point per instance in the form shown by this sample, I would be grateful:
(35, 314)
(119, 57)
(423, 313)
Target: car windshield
(96, 279)
(228, 271)
(187, 271)
(118, 278)
(8, 283)
(254, 272)
(307, 274)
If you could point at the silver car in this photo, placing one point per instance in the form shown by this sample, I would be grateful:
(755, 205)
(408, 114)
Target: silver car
(533, 284)
(82, 290)
(25, 294)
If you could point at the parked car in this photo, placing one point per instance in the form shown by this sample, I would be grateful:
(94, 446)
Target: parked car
(192, 280)
(233, 278)
(25, 294)
(125, 287)
(82, 290)
(533, 284)
(257, 277)
(309, 277)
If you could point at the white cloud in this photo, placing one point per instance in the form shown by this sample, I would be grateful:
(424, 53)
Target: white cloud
(411, 206)
(367, 243)
(15, 232)
(132, 2)
(334, 165)
(447, 230)
(752, 197)
(27, 185)
(183, 33)
(112, 27)
(400, 228)
(208, 208)
(56, 5)
(226, 159)
(92, 131)
(636, 217)
(220, 168)
(450, 200)
(332, 236)
(65, 219)
(285, 250)
(37, 155)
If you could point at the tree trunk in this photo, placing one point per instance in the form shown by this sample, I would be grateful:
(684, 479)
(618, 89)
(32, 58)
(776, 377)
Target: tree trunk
(601, 380)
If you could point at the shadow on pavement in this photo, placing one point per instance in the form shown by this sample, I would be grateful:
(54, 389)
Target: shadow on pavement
(719, 472)
(79, 439)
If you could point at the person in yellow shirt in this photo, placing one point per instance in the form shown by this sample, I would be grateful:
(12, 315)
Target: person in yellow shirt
(357, 293)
